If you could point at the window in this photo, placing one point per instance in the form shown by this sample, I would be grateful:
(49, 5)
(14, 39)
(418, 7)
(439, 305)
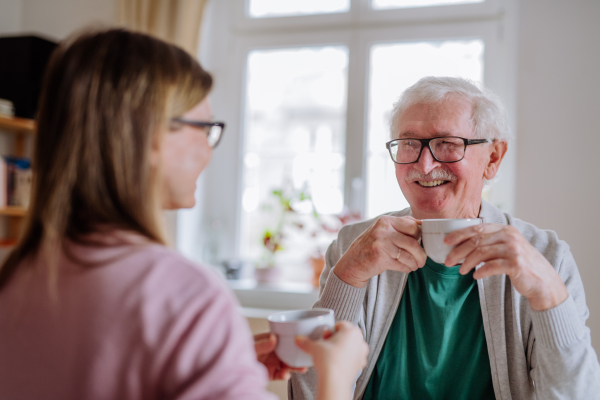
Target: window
(294, 125)
(388, 4)
(279, 8)
(306, 87)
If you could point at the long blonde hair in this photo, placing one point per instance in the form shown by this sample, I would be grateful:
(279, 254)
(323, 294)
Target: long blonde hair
(106, 99)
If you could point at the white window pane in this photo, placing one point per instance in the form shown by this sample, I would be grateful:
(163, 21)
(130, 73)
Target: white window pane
(387, 4)
(294, 140)
(393, 68)
(281, 8)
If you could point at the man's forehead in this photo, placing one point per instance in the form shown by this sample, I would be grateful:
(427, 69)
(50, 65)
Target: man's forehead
(450, 117)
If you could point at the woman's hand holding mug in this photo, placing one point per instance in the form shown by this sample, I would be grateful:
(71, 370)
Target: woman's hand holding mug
(338, 359)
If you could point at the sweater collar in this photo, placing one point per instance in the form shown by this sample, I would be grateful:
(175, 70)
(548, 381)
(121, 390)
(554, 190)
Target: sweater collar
(491, 214)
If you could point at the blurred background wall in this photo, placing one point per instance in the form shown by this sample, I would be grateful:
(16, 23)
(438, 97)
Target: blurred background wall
(54, 18)
(558, 112)
(558, 130)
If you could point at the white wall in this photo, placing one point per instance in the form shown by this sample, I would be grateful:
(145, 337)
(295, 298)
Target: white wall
(54, 19)
(559, 130)
(59, 18)
(10, 16)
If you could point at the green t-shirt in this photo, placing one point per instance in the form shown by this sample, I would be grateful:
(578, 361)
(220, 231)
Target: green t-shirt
(436, 347)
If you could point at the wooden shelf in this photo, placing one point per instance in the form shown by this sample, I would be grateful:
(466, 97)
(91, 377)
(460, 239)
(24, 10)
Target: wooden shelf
(13, 211)
(17, 125)
(23, 130)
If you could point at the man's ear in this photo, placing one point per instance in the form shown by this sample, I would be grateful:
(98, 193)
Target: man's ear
(498, 150)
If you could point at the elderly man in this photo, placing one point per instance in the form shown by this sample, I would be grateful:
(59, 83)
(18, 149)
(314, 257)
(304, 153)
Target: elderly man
(508, 323)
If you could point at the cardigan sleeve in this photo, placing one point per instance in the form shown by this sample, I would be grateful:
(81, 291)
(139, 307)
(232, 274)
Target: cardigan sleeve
(566, 365)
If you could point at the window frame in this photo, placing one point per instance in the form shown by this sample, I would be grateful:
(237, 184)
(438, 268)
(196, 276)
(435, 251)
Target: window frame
(283, 40)
(493, 73)
(362, 13)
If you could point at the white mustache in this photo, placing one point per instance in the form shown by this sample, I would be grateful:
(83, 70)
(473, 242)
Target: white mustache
(435, 175)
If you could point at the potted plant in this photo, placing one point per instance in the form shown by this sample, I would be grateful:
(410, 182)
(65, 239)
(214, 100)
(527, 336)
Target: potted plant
(296, 214)
(266, 269)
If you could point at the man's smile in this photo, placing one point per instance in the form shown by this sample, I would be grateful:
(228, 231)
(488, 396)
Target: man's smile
(434, 178)
(432, 183)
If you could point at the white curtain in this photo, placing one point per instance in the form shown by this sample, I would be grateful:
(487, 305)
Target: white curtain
(176, 21)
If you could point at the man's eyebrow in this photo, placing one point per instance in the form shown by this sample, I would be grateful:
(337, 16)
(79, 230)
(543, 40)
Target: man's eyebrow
(406, 134)
(411, 134)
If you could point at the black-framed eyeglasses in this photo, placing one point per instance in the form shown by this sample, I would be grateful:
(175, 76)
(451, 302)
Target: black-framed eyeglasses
(214, 130)
(446, 149)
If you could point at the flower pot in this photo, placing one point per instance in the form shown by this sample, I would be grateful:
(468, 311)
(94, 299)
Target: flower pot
(267, 274)
(317, 264)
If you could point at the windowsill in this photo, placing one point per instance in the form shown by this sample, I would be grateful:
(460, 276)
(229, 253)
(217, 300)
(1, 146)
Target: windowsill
(258, 300)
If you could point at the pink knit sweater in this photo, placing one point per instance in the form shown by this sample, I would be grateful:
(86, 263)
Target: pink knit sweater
(141, 323)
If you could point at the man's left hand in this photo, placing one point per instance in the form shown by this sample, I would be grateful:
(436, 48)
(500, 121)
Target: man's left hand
(505, 251)
(264, 345)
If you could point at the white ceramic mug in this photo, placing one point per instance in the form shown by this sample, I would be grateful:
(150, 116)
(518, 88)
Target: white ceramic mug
(289, 324)
(435, 230)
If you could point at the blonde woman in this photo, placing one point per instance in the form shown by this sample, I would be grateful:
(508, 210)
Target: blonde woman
(93, 305)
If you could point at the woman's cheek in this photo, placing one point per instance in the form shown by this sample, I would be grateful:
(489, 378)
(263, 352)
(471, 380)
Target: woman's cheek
(204, 159)
(193, 155)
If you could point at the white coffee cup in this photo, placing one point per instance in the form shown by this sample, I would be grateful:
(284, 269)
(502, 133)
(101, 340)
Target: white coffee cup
(435, 230)
(289, 324)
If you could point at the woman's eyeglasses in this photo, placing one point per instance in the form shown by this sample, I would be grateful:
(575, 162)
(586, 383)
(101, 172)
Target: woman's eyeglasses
(214, 130)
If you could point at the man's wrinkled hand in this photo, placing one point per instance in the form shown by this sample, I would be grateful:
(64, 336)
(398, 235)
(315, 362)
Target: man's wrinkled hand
(505, 251)
(390, 243)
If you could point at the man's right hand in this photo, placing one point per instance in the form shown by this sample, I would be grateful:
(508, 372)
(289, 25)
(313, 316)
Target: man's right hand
(376, 251)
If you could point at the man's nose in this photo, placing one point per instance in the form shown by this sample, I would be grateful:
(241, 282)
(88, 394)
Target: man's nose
(426, 162)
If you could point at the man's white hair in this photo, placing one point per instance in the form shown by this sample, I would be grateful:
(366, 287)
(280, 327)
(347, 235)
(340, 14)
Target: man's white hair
(488, 118)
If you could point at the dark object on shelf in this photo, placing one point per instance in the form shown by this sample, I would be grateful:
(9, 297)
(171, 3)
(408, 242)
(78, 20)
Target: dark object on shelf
(233, 269)
(18, 179)
(22, 66)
